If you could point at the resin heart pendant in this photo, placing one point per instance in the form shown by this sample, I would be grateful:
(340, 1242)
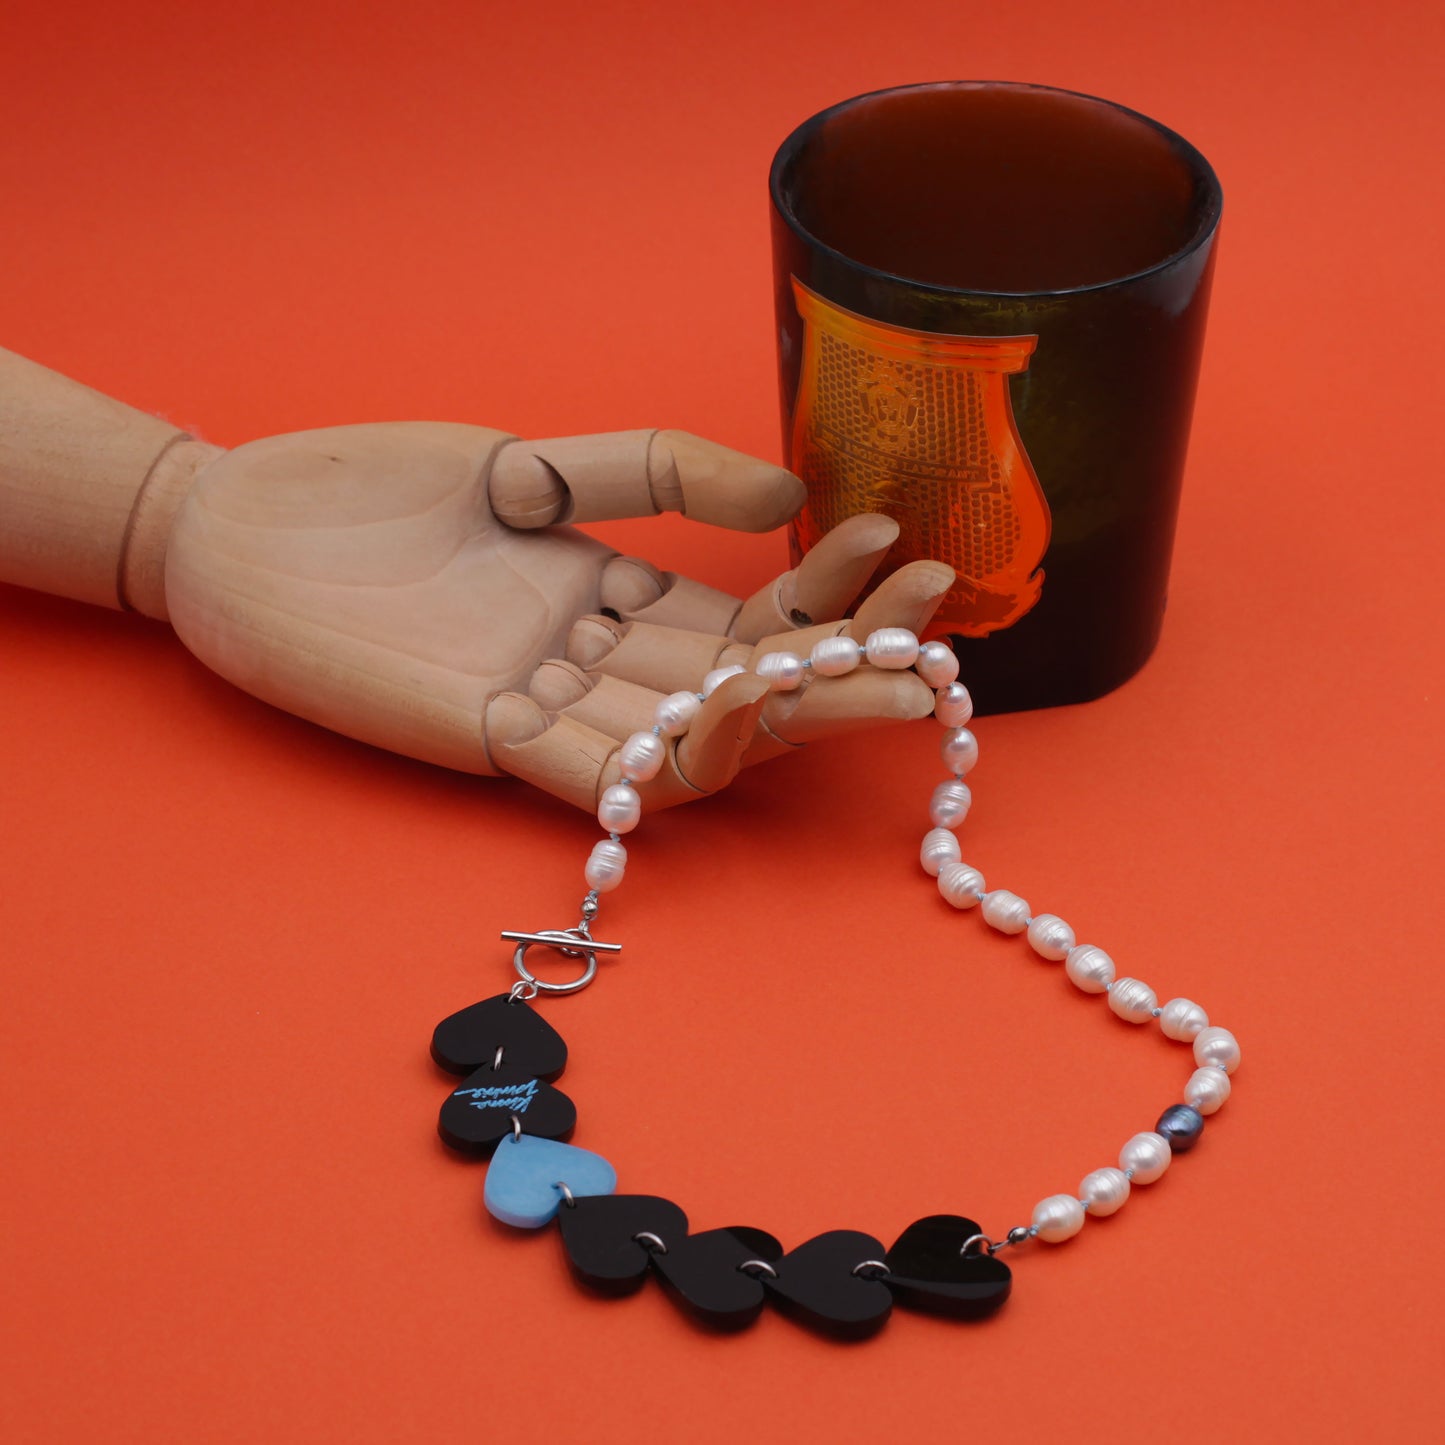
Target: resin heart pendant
(607, 1238)
(701, 1272)
(816, 1284)
(477, 1116)
(466, 1040)
(527, 1178)
(927, 1270)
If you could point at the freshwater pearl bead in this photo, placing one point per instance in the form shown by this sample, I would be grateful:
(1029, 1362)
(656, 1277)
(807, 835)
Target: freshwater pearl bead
(1218, 1047)
(1133, 1000)
(1147, 1155)
(833, 656)
(1182, 1019)
(892, 648)
(1050, 937)
(1089, 967)
(937, 664)
(953, 706)
(950, 803)
(961, 885)
(959, 751)
(782, 671)
(1006, 911)
(641, 755)
(674, 714)
(717, 677)
(620, 809)
(1105, 1191)
(606, 865)
(1207, 1090)
(939, 847)
(1181, 1126)
(1057, 1218)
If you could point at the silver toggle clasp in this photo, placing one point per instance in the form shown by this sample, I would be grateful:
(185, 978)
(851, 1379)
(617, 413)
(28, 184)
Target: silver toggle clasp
(574, 942)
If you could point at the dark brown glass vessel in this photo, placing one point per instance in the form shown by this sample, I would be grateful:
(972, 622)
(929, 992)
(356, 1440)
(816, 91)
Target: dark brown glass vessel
(991, 302)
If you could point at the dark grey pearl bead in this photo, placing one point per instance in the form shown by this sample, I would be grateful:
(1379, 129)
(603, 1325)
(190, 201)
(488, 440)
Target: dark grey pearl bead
(1181, 1126)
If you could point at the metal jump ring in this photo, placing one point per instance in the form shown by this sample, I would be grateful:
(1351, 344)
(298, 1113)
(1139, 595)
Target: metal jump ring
(758, 1266)
(568, 1197)
(876, 1265)
(646, 1236)
(977, 1244)
(516, 1128)
(558, 938)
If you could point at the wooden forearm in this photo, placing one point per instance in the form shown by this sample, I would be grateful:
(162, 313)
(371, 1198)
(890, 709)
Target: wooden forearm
(88, 489)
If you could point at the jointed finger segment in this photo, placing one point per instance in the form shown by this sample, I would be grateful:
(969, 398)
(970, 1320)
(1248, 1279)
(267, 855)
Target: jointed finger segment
(615, 707)
(832, 705)
(906, 598)
(575, 754)
(711, 752)
(802, 641)
(592, 638)
(823, 585)
(557, 684)
(638, 474)
(629, 584)
(689, 605)
(665, 658)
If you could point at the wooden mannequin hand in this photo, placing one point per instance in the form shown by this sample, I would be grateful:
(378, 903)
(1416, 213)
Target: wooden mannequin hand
(415, 585)
(408, 584)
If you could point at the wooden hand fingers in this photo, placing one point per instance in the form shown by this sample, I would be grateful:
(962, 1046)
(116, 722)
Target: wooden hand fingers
(638, 474)
(637, 591)
(670, 658)
(571, 751)
(825, 583)
(906, 598)
(564, 737)
(826, 706)
(565, 733)
(820, 589)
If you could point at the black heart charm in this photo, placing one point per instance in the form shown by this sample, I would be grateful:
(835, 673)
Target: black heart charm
(599, 1233)
(466, 1040)
(816, 1284)
(701, 1272)
(479, 1114)
(927, 1270)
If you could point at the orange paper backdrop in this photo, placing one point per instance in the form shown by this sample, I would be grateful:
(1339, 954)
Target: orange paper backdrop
(226, 934)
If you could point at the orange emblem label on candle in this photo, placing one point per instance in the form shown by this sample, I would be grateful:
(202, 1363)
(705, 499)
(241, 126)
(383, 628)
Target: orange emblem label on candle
(918, 424)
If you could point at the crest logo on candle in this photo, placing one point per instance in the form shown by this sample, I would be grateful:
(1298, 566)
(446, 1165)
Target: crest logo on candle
(889, 403)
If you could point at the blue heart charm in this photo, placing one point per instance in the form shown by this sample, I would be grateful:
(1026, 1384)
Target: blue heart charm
(525, 1177)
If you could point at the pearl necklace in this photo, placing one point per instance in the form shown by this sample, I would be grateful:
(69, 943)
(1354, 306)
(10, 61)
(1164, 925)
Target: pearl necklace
(842, 1282)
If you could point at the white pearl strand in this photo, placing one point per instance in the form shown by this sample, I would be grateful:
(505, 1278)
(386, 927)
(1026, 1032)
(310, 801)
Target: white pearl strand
(1146, 1156)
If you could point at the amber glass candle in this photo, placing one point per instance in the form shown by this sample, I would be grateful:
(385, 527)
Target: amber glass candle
(991, 302)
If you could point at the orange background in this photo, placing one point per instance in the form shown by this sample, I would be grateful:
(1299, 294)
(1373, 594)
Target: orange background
(227, 935)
